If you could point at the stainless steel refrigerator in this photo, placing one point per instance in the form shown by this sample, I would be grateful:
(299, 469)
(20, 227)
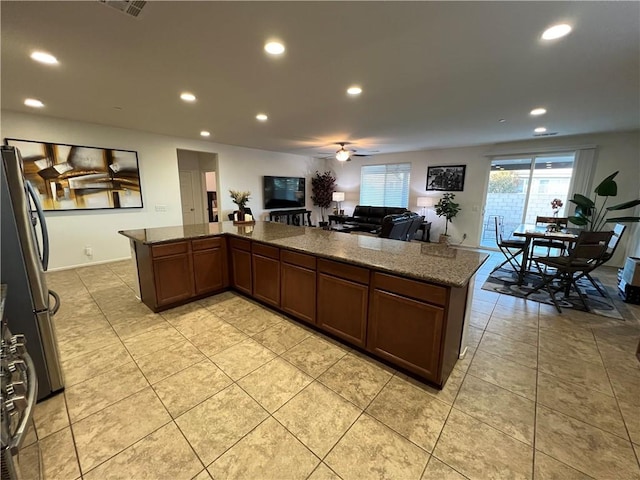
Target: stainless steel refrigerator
(30, 306)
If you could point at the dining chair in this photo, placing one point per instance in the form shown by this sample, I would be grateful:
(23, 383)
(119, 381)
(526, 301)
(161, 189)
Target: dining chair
(588, 250)
(561, 222)
(618, 230)
(509, 248)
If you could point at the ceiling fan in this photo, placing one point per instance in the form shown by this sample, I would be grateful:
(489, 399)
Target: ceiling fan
(344, 154)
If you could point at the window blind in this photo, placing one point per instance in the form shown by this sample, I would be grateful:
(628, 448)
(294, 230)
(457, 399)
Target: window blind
(385, 185)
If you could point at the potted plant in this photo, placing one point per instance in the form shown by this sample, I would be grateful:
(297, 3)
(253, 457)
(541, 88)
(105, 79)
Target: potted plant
(322, 187)
(447, 208)
(593, 216)
(240, 199)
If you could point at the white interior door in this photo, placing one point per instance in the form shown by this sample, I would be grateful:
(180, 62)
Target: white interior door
(187, 197)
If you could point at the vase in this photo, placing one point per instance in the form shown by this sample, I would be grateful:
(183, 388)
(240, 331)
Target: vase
(241, 215)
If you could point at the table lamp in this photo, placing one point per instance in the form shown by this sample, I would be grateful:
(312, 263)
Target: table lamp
(426, 202)
(338, 197)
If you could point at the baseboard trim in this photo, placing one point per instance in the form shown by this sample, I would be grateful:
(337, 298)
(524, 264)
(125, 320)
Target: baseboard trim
(70, 267)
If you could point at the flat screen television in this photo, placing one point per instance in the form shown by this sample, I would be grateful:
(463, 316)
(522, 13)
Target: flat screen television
(284, 192)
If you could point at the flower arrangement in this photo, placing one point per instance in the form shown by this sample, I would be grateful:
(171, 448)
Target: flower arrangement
(556, 205)
(240, 198)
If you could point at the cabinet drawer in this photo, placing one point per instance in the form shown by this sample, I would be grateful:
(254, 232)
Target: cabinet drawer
(169, 249)
(411, 288)
(298, 259)
(266, 250)
(342, 270)
(240, 244)
(206, 243)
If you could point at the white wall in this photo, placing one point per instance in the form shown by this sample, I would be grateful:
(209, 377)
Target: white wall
(616, 151)
(238, 168)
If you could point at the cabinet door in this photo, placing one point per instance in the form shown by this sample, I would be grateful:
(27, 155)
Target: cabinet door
(406, 332)
(241, 270)
(342, 308)
(208, 270)
(173, 278)
(266, 279)
(298, 293)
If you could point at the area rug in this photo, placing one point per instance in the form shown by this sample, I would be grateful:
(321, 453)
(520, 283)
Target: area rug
(504, 281)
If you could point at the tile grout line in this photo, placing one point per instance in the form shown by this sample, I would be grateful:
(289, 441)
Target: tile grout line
(615, 396)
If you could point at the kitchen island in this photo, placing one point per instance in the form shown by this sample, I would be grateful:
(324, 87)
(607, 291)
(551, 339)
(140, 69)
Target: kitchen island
(404, 302)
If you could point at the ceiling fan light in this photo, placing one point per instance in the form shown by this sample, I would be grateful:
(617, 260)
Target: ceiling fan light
(342, 155)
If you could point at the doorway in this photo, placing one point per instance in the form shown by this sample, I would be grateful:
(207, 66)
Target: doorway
(520, 189)
(198, 186)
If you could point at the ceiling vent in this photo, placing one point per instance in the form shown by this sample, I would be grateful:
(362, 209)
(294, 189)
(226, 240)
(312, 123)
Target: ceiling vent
(548, 134)
(129, 7)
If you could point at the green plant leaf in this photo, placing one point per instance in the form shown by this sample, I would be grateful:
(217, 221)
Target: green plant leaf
(608, 187)
(578, 220)
(625, 205)
(582, 211)
(623, 219)
(582, 201)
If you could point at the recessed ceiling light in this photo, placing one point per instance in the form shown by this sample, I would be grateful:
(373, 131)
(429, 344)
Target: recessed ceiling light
(32, 102)
(44, 57)
(538, 111)
(262, 117)
(188, 97)
(540, 130)
(502, 120)
(204, 133)
(354, 90)
(556, 31)
(274, 48)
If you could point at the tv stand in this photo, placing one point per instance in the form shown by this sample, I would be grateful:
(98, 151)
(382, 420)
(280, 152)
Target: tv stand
(293, 216)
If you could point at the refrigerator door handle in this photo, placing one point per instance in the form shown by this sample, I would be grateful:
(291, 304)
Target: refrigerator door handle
(43, 224)
(56, 306)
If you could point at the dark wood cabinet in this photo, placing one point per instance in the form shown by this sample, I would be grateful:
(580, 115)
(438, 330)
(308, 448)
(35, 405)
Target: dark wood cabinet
(298, 291)
(210, 270)
(173, 276)
(241, 264)
(416, 325)
(405, 331)
(266, 273)
(343, 292)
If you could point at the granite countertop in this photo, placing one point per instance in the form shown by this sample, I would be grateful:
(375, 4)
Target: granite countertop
(431, 262)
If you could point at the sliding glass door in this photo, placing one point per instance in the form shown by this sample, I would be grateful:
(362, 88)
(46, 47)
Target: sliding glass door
(520, 189)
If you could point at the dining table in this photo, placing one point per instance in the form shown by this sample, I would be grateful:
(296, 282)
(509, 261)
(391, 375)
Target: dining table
(529, 232)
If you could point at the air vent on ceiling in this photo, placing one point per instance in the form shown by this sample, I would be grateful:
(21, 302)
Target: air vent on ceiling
(129, 7)
(549, 134)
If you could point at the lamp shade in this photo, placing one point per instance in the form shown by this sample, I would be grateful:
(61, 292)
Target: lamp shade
(338, 196)
(426, 201)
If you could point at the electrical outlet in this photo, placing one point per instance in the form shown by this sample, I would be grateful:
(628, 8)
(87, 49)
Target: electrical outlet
(88, 251)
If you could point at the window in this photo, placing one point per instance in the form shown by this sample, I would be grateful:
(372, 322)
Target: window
(522, 188)
(385, 185)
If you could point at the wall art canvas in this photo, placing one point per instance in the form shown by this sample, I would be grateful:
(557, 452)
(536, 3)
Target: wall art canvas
(74, 177)
(448, 178)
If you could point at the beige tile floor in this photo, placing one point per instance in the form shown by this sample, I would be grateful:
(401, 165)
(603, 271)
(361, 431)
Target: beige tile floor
(227, 389)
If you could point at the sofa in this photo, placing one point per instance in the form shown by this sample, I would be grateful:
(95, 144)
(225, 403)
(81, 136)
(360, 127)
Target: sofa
(369, 219)
(401, 226)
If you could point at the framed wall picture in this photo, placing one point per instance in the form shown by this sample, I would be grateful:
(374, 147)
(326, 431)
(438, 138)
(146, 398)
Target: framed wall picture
(75, 177)
(448, 178)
